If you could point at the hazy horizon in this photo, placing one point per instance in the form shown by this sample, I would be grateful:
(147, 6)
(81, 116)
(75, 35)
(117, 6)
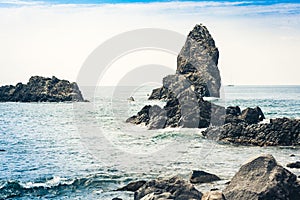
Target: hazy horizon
(258, 43)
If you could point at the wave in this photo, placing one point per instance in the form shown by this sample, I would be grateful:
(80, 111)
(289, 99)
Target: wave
(53, 187)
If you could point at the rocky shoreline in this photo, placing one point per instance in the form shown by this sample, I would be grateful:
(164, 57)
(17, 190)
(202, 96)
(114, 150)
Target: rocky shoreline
(260, 178)
(42, 89)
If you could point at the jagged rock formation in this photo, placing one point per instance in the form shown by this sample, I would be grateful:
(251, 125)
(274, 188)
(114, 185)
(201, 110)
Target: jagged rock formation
(197, 76)
(41, 89)
(263, 178)
(197, 65)
(173, 188)
(280, 131)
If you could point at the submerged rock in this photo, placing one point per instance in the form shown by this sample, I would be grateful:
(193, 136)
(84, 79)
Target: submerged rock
(203, 177)
(294, 165)
(280, 131)
(173, 188)
(133, 186)
(263, 179)
(41, 89)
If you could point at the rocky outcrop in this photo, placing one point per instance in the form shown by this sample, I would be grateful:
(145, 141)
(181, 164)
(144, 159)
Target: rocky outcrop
(203, 177)
(249, 115)
(197, 76)
(191, 112)
(280, 131)
(173, 188)
(263, 179)
(197, 65)
(41, 89)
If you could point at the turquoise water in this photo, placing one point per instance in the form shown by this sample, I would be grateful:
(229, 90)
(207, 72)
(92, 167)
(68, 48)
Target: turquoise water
(86, 150)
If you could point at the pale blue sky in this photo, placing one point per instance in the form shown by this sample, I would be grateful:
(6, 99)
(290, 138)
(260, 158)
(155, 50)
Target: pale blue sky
(259, 44)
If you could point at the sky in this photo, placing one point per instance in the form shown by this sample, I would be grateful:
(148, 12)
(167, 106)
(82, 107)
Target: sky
(259, 43)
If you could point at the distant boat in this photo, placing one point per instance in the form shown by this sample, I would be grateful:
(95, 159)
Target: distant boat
(230, 85)
(130, 99)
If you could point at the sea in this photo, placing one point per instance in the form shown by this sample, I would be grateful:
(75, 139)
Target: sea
(86, 150)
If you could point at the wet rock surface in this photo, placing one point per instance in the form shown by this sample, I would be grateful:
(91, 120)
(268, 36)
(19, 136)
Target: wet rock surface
(279, 132)
(168, 188)
(263, 179)
(41, 89)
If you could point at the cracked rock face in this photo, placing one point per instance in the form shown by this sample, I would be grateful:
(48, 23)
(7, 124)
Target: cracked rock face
(263, 179)
(41, 89)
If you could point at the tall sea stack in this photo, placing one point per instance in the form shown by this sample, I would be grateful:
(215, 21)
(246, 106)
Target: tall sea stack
(197, 62)
(197, 76)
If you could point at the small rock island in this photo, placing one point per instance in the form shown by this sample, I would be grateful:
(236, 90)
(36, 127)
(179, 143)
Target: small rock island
(42, 89)
(198, 76)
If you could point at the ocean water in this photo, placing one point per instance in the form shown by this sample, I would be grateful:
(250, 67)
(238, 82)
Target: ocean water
(86, 150)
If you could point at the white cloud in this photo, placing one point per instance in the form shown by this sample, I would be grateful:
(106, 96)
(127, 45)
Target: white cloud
(258, 44)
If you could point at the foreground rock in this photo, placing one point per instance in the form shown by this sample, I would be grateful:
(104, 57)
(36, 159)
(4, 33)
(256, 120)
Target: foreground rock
(197, 65)
(213, 195)
(41, 89)
(280, 131)
(263, 179)
(203, 177)
(173, 188)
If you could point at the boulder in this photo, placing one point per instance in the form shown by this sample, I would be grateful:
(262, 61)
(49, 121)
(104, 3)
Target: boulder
(132, 186)
(213, 195)
(252, 115)
(167, 188)
(263, 179)
(294, 165)
(41, 89)
(280, 131)
(203, 177)
(233, 110)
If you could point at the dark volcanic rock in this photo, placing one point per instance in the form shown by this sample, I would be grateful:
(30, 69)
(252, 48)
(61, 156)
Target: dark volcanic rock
(252, 115)
(173, 188)
(263, 179)
(197, 76)
(203, 177)
(133, 186)
(280, 131)
(197, 64)
(40, 89)
(294, 165)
